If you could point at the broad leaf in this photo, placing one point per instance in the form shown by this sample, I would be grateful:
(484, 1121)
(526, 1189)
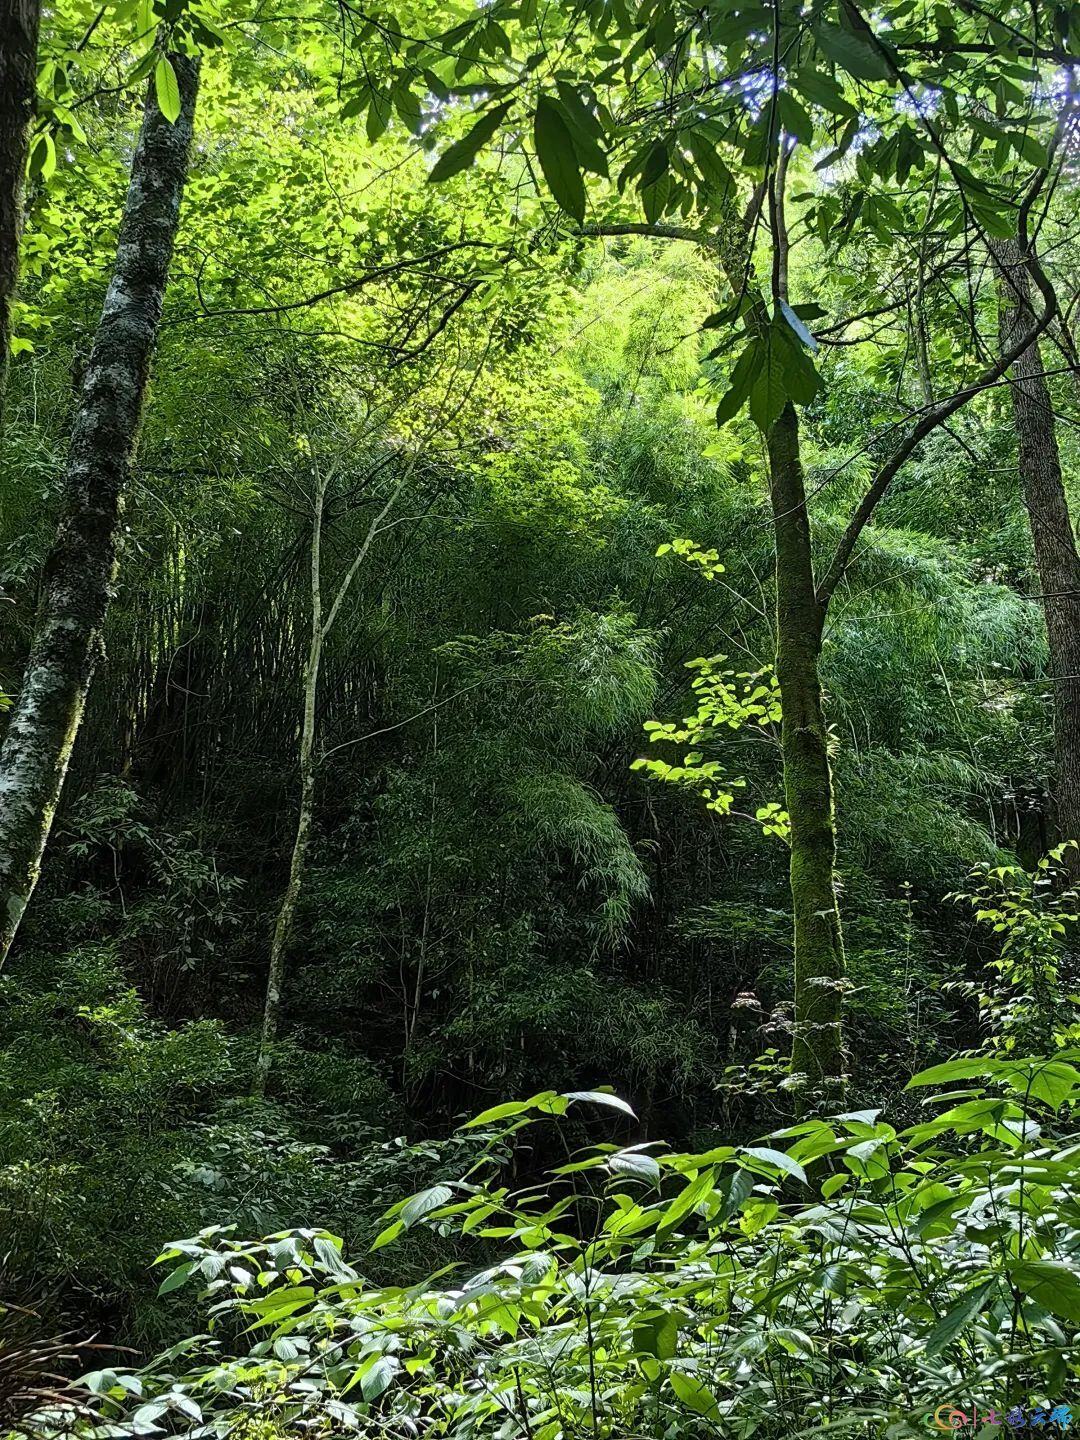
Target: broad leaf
(961, 1314)
(423, 1204)
(167, 89)
(558, 160)
(695, 1395)
(600, 1097)
(857, 55)
(464, 151)
(778, 1159)
(1054, 1285)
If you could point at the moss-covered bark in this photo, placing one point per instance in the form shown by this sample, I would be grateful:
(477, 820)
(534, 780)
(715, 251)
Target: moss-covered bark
(79, 571)
(817, 1045)
(19, 20)
(817, 1049)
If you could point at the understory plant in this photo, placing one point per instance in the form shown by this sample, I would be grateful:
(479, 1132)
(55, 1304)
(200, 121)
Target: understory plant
(839, 1275)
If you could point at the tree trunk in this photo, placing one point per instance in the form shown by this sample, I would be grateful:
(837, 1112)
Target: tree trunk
(1053, 539)
(306, 813)
(79, 571)
(817, 1048)
(18, 92)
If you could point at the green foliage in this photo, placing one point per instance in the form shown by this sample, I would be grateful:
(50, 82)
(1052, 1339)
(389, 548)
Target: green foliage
(725, 699)
(402, 237)
(839, 1270)
(1035, 914)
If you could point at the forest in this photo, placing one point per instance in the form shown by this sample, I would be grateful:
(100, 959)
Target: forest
(539, 719)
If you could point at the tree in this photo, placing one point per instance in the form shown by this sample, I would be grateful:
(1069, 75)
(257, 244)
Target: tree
(322, 618)
(1057, 562)
(320, 628)
(19, 21)
(79, 571)
(679, 121)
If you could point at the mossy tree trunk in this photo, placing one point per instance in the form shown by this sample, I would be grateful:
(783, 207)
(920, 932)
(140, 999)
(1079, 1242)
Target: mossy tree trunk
(817, 1047)
(19, 22)
(78, 574)
(1053, 538)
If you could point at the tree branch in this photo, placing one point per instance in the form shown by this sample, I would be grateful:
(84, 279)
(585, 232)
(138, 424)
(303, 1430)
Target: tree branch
(936, 416)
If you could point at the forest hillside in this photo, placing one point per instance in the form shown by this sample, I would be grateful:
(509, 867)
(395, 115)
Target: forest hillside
(539, 719)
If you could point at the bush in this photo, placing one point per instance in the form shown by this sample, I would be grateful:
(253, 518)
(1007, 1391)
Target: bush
(858, 1279)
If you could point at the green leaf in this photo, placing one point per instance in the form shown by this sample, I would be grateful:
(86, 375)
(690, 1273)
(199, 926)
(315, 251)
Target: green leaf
(812, 311)
(178, 1277)
(601, 1097)
(389, 1234)
(951, 1070)
(464, 151)
(995, 216)
(1029, 148)
(689, 1198)
(655, 197)
(167, 89)
(423, 1204)
(716, 175)
(821, 89)
(378, 116)
(794, 119)
(407, 106)
(769, 393)
(584, 128)
(43, 158)
(778, 1159)
(1052, 1082)
(961, 1314)
(1052, 1284)
(742, 379)
(739, 1189)
(497, 1112)
(656, 165)
(378, 1376)
(657, 1335)
(858, 55)
(636, 1165)
(695, 1395)
(330, 1255)
(558, 160)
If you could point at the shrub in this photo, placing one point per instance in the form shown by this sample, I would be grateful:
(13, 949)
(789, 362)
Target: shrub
(857, 1279)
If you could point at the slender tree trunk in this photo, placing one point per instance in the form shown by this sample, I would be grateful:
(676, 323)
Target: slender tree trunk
(306, 813)
(817, 1049)
(321, 626)
(79, 571)
(19, 20)
(1053, 538)
(817, 1045)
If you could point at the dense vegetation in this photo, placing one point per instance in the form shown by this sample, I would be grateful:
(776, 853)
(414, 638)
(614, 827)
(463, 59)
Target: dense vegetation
(536, 559)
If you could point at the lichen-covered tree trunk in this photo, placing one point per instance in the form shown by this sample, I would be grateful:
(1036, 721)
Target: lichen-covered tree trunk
(817, 1048)
(79, 571)
(19, 21)
(1052, 534)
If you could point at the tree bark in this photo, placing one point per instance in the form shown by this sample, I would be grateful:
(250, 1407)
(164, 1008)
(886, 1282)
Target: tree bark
(19, 21)
(817, 1046)
(1053, 539)
(79, 572)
